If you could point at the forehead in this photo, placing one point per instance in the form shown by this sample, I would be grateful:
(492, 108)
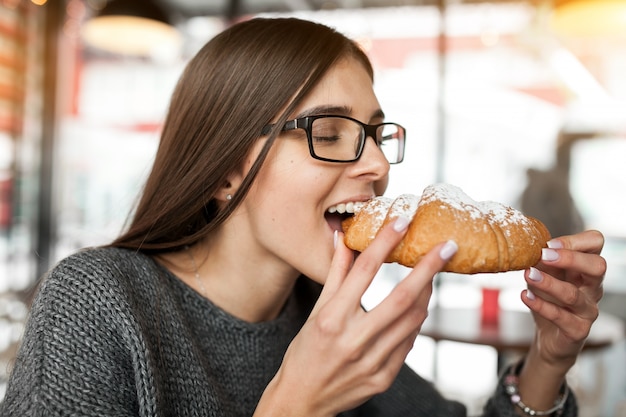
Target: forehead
(347, 88)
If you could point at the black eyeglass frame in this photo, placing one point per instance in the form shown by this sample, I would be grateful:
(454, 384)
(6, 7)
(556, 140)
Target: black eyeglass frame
(306, 123)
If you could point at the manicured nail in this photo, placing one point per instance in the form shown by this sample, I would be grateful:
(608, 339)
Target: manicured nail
(530, 295)
(335, 238)
(535, 274)
(549, 254)
(555, 244)
(401, 224)
(448, 250)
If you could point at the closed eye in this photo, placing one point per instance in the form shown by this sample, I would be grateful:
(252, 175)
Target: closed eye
(334, 138)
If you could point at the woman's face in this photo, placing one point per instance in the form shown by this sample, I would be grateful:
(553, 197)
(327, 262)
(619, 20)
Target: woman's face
(287, 209)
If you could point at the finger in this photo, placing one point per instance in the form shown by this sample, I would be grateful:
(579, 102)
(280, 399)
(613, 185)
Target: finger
(343, 258)
(586, 263)
(420, 277)
(370, 260)
(416, 287)
(392, 360)
(572, 326)
(587, 266)
(590, 241)
(395, 334)
(561, 293)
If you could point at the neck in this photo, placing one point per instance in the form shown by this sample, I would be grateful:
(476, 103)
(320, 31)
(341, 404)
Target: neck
(252, 289)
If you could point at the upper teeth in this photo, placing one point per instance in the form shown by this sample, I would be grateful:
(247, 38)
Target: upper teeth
(345, 208)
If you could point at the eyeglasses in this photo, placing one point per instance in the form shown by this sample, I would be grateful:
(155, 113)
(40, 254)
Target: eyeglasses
(342, 138)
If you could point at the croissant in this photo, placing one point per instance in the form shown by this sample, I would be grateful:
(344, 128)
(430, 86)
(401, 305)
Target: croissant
(491, 236)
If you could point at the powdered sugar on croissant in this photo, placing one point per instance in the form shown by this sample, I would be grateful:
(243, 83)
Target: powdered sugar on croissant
(492, 237)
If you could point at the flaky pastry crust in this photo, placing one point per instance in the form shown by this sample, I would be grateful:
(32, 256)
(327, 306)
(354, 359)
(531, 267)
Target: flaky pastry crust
(491, 237)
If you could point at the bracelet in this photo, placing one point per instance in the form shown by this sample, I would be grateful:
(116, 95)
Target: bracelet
(511, 381)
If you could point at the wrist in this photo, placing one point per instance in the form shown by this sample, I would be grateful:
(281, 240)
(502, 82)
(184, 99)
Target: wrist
(557, 364)
(272, 403)
(524, 403)
(279, 400)
(544, 373)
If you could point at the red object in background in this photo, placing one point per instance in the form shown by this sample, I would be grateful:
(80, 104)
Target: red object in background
(490, 307)
(5, 202)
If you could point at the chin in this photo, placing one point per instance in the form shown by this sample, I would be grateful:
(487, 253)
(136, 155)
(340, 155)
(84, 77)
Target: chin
(318, 274)
(318, 281)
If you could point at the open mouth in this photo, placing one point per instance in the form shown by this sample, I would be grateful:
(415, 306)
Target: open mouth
(338, 213)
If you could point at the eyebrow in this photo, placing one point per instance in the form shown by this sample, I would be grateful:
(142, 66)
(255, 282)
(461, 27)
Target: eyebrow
(336, 110)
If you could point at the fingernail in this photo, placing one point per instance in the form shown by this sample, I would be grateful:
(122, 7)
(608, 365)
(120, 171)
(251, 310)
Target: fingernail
(549, 254)
(530, 295)
(535, 274)
(401, 224)
(335, 238)
(448, 250)
(555, 244)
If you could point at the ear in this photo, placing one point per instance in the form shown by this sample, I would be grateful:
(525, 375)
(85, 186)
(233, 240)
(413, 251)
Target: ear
(235, 178)
(230, 187)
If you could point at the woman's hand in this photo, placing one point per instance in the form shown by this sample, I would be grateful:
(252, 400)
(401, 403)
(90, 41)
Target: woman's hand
(563, 294)
(344, 355)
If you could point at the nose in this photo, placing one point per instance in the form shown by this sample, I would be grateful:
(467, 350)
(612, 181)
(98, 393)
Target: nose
(372, 163)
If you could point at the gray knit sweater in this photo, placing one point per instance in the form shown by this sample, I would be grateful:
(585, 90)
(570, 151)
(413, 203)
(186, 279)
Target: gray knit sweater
(113, 333)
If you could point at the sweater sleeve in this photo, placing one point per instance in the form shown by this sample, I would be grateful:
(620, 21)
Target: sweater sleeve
(72, 360)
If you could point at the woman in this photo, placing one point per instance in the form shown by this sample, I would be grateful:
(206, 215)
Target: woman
(212, 304)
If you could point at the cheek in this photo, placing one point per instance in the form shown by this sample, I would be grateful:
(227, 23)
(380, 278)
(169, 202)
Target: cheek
(278, 190)
(288, 216)
(289, 169)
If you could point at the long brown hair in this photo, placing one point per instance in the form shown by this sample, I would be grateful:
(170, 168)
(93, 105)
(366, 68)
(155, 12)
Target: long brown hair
(235, 85)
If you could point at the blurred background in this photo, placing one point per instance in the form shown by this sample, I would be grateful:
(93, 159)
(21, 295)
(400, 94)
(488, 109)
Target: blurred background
(522, 102)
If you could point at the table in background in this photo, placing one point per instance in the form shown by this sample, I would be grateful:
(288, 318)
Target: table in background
(513, 330)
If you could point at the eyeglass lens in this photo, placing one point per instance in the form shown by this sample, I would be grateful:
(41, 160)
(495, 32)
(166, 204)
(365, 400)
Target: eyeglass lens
(391, 142)
(342, 139)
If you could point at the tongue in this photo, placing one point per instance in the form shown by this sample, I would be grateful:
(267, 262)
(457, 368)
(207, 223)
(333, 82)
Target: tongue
(334, 221)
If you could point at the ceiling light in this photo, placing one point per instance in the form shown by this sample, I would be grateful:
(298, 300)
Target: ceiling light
(132, 27)
(589, 18)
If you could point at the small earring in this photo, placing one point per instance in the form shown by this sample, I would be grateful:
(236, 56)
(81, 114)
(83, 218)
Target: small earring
(229, 197)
